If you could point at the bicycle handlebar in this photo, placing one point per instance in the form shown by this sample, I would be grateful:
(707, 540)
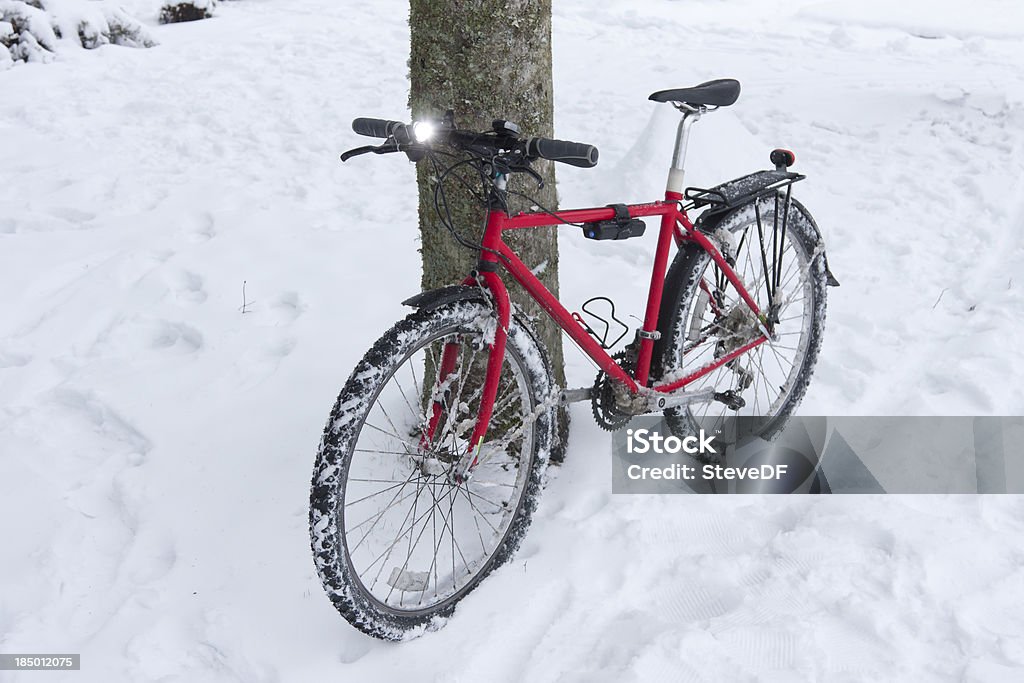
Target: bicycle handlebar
(572, 153)
(375, 128)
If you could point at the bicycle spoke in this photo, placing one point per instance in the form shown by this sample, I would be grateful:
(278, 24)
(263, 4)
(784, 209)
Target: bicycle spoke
(786, 304)
(757, 378)
(433, 531)
(387, 553)
(386, 433)
(415, 381)
(412, 513)
(376, 493)
(378, 452)
(480, 496)
(451, 518)
(392, 423)
(778, 361)
(376, 518)
(477, 510)
(479, 533)
(406, 398)
(437, 547)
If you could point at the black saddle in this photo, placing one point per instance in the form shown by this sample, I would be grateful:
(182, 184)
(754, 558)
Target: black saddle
(718, 93)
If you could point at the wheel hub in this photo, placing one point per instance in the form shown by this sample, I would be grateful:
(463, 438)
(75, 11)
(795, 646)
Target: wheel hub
(739, 326)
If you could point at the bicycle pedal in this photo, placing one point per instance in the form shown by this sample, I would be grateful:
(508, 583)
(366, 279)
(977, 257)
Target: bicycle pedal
(731, 399)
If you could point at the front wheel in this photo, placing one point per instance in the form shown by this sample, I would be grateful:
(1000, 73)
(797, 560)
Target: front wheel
(397, 542)
(780, 258)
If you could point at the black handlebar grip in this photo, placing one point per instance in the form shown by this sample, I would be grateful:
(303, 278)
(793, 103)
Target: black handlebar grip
(375, 128)
(572, 153)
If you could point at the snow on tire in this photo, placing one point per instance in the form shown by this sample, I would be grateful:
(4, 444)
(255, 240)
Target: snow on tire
(395, 541)
(773, 377)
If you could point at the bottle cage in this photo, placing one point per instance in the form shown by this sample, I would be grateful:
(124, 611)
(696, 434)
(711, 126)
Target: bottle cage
(602, 338)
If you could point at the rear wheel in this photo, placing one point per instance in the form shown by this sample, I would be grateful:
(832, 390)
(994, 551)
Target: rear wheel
(779, 257)
(396, 541)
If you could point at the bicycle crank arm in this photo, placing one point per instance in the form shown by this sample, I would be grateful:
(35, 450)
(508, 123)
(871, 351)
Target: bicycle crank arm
(575, 395)
(656, 401)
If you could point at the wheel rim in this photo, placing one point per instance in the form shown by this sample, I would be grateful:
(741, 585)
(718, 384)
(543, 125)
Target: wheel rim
(415, 540)
(717, 321)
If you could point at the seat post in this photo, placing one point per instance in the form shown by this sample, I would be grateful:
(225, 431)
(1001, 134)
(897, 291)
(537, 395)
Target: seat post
(677, 171)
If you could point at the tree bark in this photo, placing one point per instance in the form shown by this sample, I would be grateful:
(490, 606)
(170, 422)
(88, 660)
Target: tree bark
(487, 60)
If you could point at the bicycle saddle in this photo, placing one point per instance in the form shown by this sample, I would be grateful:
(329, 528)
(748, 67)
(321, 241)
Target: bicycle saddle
(718, 93)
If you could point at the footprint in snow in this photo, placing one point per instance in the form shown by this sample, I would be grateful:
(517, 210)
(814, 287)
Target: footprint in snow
(72, 215)
(151, 555)
(104, 422)
(761, 649)
(696, 603)
(201, 229)
(259, 363)
(167, 335)
(187, 286)
(136, 266)
(708, 532)
(11, 359)
(288, 307)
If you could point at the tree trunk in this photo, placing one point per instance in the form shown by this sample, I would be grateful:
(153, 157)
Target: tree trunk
(487, 60)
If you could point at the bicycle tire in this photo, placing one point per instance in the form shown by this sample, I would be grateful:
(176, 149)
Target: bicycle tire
(803, 234)
(332, 542)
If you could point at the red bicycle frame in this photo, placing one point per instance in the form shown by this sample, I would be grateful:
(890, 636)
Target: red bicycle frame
(675, 227)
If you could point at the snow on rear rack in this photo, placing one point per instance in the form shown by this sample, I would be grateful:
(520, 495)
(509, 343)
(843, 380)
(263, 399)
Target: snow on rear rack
(740, 191)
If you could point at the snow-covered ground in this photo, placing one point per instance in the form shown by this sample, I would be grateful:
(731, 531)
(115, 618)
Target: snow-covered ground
(156, 443)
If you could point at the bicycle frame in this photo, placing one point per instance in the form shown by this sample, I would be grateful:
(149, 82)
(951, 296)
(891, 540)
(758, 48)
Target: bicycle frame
(675, 227)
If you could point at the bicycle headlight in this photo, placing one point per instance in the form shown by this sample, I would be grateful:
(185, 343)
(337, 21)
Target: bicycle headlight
(423, 130)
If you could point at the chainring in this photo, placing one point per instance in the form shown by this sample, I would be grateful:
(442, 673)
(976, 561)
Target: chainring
(602, 401)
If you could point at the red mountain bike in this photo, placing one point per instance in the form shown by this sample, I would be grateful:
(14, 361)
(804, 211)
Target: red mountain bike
(432, 459)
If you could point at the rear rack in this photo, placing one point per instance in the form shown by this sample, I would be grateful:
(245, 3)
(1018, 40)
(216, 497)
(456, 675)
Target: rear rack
(740, 191)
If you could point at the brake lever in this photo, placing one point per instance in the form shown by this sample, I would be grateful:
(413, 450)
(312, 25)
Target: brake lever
(357, 151)
(530, 172)
(389, 145)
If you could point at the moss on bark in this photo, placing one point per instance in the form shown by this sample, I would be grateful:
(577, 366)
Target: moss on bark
(486, 60)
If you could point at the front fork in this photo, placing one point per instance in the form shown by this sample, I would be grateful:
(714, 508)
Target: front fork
(498, 294)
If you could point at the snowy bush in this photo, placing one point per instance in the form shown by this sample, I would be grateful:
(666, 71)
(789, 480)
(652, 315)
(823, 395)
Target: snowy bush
(175, 11)
(26, 31)
(33, 30)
